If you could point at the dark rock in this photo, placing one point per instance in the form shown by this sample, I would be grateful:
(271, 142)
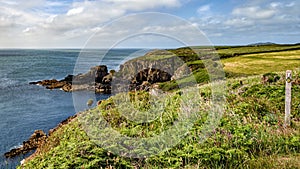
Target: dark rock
(103, 88)
(95, 74)
(57, 85)
(99, 80)
(47, 82)
(67, 87)
(100, 72)
(68, 78)
(34, 83)
(270, 78)
(152, 76)
(107, 79)
(37, 138)
(181, 72)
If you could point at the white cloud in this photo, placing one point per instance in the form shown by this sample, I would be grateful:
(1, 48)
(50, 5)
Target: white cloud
(69, 22)
(29, 30)
(139, 5)
(251, 21)
(56, 3)
(276, 4)
(204, 8)
(9, 2)
(254, 12)
(75, 11)
(47, 22)
(239, 22)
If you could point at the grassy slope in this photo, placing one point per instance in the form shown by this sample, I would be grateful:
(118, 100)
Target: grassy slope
(250, 134)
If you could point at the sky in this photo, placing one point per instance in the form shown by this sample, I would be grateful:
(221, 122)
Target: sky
(75, 23)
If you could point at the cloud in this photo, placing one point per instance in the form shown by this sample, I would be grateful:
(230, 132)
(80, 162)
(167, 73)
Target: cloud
(204, 8)
(238, 22)
(9, 2)
(139, 5)
(254, 12)
(75, 11)
(276, 4)
(65, 21)
(251, 21)
(68, 23)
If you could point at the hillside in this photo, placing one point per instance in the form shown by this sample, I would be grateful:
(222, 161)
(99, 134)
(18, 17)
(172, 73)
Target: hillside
(249, 133)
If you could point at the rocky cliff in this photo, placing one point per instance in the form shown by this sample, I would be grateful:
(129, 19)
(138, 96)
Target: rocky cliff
(136, 74)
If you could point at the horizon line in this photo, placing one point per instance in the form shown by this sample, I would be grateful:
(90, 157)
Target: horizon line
(170, 47)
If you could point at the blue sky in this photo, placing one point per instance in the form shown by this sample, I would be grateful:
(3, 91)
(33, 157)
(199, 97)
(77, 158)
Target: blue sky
(71, 23)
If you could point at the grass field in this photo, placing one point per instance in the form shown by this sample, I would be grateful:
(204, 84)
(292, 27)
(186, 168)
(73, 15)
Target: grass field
(231, 51)
(254, 64)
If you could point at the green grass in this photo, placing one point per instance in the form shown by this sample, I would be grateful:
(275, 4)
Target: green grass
(254, 64)
(232, 51)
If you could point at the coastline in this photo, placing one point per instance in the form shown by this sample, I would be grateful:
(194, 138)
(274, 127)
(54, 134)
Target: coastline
(99, 79)
(246, 119)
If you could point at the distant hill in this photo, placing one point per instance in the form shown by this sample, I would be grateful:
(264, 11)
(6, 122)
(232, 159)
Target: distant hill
(262, 44)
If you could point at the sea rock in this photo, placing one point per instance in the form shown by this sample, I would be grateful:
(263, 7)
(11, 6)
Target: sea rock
(99, 80)
(68, 79)
(45, 82)
(107, 79)
(80, 82)
(32, 143)
(95, 74)
(103, 88)
(67, 87)
(99, 72)
(57, 85)
(36, 141)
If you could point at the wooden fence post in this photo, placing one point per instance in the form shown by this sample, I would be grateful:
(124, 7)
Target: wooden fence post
(288, 97)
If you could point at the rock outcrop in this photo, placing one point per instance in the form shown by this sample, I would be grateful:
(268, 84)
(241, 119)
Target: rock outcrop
(92, 80)
(37, 138)
(144, 72)
(136, 74)
(147, 77)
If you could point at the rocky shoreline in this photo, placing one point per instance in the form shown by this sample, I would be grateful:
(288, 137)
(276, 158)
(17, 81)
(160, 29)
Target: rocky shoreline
(101, 81)
(98, 79)
(37, 139)
(137, 74)
(32, 143)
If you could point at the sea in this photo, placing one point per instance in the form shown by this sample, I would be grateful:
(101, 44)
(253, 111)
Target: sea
(25, 108)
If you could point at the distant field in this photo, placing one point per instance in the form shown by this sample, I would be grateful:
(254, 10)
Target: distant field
(254, 64)
(232, 51)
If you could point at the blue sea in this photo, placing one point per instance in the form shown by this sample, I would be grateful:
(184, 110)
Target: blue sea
(25, 108)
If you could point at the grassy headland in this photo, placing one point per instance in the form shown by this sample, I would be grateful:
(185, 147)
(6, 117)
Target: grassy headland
(250, 133)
